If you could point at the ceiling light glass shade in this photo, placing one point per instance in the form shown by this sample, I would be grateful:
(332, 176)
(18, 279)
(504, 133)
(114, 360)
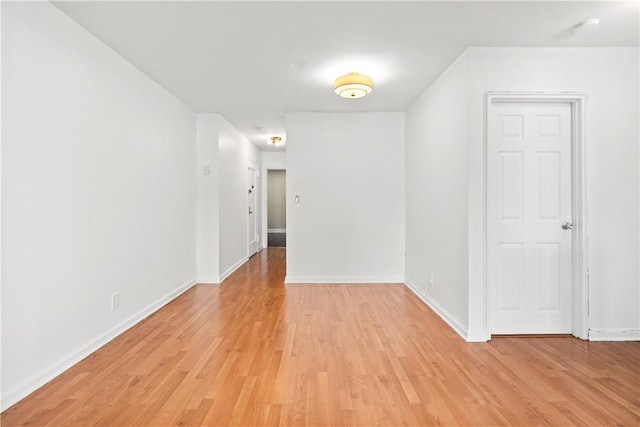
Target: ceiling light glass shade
(353, 85)
(276, 140)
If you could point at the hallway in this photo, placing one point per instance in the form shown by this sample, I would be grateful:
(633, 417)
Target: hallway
(253, 351)
(277, 240)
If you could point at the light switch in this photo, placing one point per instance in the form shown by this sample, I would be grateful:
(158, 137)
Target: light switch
(206, 170)
(297, 199)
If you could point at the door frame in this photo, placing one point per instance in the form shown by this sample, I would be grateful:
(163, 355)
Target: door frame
(266, 200)
(251, 165)
(579, 268)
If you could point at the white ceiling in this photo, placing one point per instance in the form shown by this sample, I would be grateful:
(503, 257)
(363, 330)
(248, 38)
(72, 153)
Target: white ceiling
(254, 61)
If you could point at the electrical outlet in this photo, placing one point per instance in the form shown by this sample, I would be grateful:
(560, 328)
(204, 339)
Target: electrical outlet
(115, 301)
(430, 279)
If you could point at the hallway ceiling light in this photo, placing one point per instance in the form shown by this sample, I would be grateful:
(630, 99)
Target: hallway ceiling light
(276, 140)
(353, 85)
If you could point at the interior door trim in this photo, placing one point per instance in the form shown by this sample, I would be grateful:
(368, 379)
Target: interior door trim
(252, 166)
(580, 268)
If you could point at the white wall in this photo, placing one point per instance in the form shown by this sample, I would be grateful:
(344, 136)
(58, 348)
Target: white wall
(2, 399)
(98, 188)
(437, 136)
(348, 171)
(276, 200)
(208, 235)
(610, 78)
(236, 151)
(270, 161)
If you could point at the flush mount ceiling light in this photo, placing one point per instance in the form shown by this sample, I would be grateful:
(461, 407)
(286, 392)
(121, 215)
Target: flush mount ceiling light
(588, 24)
(276, 140)
(353, 85)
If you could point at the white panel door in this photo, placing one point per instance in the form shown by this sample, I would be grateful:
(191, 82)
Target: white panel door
(252, 221)
(528, 199)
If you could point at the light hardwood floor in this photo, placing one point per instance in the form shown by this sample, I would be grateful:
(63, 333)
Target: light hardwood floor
(253, 351)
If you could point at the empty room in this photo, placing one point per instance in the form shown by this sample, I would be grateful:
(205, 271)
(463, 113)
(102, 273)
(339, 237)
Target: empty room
(305, 213)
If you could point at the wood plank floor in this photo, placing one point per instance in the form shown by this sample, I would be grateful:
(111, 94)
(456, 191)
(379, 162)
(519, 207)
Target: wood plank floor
(255, 352)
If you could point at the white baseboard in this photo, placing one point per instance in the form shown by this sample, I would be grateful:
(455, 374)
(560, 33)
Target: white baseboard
(207, 281)
(478, 336)
(44, 376)
(233, 268)
(614, 334)
(450, 319)
(276, 230)
(342, 279)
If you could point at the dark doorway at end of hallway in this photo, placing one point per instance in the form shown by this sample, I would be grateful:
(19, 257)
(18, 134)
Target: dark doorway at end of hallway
(277, 240)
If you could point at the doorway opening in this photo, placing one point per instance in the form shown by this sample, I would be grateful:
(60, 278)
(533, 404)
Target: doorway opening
(535, 230)
(276, 208)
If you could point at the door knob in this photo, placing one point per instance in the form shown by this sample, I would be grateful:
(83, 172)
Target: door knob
(567, 226)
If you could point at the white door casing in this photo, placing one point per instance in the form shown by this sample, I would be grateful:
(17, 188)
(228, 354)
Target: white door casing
(529, 196)
(252, 213)
(580, 240)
